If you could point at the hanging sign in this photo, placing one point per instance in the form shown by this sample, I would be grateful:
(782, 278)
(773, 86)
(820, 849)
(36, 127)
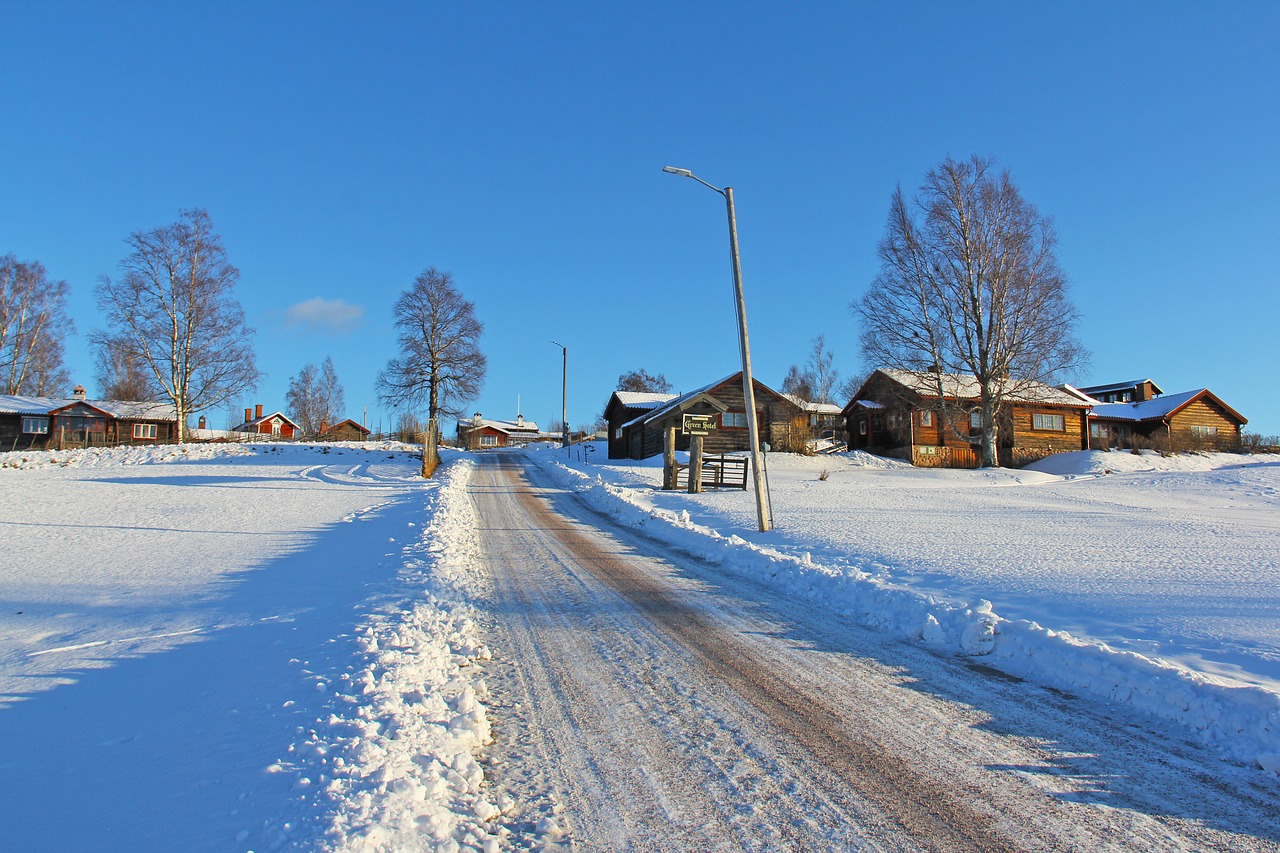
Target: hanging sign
(698, 424)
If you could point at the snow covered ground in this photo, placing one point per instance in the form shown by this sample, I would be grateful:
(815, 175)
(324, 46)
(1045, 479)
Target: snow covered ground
(1146, 581)
(272, 647)
(243, 648)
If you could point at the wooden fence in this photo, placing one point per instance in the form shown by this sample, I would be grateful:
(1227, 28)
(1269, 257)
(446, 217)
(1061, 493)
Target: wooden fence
(718, 472)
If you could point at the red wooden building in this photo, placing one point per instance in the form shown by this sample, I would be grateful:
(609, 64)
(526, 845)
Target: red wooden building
(274, 425)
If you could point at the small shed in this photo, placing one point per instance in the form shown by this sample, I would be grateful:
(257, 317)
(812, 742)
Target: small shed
(347, 430)
(624, 406)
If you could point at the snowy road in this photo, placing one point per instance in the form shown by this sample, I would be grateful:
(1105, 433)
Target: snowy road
(644, 700)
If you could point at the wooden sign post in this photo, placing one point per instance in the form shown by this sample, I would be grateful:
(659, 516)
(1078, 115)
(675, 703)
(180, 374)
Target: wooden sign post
(670, 473)
(695, 464)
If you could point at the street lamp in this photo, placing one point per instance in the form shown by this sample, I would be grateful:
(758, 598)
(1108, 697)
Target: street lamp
(763, 513)
(564, 397)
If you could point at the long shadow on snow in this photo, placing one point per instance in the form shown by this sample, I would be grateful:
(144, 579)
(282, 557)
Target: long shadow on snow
(174, 750)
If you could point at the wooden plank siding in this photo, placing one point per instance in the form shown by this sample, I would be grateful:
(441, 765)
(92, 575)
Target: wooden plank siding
(1203, 414)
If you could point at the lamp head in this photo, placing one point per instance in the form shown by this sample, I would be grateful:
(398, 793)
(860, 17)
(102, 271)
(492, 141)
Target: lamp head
(673, 170)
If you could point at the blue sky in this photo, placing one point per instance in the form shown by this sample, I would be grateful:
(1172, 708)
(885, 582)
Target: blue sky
(342, 148)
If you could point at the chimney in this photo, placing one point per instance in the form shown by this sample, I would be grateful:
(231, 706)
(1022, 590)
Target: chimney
(77, 393)
(475, 422)
(202, 423)
(248, 415)
(258, 411)
(324, 425)
(519, 420)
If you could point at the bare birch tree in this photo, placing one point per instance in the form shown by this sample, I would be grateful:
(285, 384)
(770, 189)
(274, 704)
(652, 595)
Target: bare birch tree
(33, 327)
(970, 284)
(121, 374)
(315, 397)
(440, 362)
(818, 380)
(174, 310)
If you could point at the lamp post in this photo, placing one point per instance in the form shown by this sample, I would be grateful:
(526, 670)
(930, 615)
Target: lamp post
(763, 512)
(564, 397)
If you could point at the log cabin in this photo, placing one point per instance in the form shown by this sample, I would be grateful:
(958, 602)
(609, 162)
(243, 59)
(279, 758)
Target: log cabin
(52, 422)
(624, 406)
(779, 420)
(347, 430)
(899, 413)
(1190, 420)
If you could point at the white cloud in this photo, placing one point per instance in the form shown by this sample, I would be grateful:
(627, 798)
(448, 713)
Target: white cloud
(332, 315)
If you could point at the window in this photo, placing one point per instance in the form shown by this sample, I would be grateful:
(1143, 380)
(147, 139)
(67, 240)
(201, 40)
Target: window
(1051, 422)
(862, 426)
(275, 427)
(488, 441)
(926, 419)
(144, 430)
(733, 420)
(618, 433)
(1204, 432)
(1126, 397)
(1097, 430)
(975, 421)
(39, 426)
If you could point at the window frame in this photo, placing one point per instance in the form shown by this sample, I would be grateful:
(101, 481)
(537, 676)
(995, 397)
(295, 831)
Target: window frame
(739, 418)
(35, 420)
(144, 431)
(1057, 422)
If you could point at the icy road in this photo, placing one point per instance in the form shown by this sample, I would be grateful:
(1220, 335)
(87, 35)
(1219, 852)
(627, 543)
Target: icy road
(649, 701)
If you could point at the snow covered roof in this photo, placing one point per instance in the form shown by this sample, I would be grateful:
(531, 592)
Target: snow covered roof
(14, 404)
(136, 411)
(814, 408)
(1157, 408)
(518, 426)
(678, 402)
(642, 399)
(965, 387)
(122, 410)
(1076, 392)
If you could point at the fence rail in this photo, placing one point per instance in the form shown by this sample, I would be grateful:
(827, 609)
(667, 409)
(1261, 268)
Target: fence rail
(718, 472)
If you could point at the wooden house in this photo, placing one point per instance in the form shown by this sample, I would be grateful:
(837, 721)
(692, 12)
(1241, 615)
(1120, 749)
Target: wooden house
(483, 433)
(347, 430)
(274, 425)
(824, 420)
(778, 420)
(900, 413)
(624, 406)
(1191, 420)
(51, 422)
